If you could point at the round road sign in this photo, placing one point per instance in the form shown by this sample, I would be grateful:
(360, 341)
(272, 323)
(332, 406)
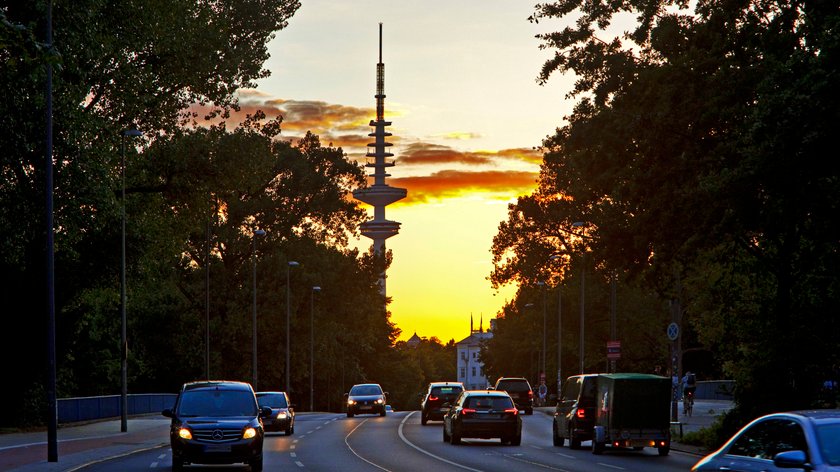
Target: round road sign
(673, 331)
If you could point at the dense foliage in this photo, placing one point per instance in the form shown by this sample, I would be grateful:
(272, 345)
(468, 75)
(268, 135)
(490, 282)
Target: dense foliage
(195, 196)
(699, 155)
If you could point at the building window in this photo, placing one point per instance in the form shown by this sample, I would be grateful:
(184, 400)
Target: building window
(479, 370)
(463, 372)
(473, 355)
(463, 355)
(473, 371)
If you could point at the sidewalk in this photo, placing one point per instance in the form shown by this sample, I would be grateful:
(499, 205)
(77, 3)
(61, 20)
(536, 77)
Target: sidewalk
(80, 445)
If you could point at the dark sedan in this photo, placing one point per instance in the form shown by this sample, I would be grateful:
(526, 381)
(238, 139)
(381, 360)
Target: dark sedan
(483, 414)
(438, 393)
(796, 440)
(282, 412)
(366, 398)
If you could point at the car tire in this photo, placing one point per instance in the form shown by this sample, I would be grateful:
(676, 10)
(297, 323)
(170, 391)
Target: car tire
(664, 450)
(558, 440)
(423, 419)
(445, 436)
(177, 464)
(349, 414)
(517, 440)
(382, 413)
(289, 430)
(455, 439)
(256, 464)
(597, 447)
(574, 442)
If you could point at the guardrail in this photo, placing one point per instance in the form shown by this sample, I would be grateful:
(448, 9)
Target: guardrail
(71, 410)
(715, 389)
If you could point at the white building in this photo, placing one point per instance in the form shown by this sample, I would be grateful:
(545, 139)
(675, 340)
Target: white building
(470, 368)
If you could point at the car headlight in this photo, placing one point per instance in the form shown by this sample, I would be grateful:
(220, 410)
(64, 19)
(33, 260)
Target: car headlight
(380, 401)
(282, 415)
(249, 433)
(351, 402)
(184, 433)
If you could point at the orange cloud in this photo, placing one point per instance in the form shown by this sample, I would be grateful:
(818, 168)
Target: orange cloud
(435, 154)
(453, 183)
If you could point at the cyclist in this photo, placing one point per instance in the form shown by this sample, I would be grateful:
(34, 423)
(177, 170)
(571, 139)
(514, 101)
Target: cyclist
(689, 382)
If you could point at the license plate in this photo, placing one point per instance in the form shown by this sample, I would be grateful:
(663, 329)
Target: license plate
(364, 407)
(217, 448)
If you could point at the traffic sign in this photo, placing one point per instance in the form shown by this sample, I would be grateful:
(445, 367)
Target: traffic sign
(613, 350)
(673, 331)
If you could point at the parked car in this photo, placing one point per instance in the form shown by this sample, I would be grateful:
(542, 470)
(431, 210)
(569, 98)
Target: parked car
(282, 412)
(438, 393)
(389, 409)
(520, 390)
(794, 440)
(216, 422)
(483, 414)
(574, 416)
(366, 398)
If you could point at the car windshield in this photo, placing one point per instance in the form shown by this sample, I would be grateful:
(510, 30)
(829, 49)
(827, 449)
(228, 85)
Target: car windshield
(829, 440)
(488, 403)
(446, 390)
(365, 390)
(513, 386)
(274, 400)
(217, 403)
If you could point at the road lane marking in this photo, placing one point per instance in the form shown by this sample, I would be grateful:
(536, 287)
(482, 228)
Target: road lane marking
(153, 465)
(405, 440)
(611, 466)
(567, 456)
(299, 463)
(356, 453)
(544, 466)
(293, 454)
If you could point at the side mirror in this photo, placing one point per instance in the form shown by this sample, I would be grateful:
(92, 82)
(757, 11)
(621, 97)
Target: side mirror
(790, 460)
(265, 411)
(491, 388)
(346, 395)
(167, 413)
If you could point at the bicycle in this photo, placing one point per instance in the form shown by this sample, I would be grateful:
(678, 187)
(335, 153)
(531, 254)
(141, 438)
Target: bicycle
(688, 403)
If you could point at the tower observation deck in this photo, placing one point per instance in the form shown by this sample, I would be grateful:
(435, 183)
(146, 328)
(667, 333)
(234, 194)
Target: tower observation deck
(379, 194)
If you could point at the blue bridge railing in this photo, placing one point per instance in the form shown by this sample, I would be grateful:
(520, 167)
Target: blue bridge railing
(71, 410)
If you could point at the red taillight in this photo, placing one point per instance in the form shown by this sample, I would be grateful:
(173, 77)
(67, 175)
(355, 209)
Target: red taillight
(512, 410)
(581, 413)
(468, 411)
(530, 394)
(433, 399)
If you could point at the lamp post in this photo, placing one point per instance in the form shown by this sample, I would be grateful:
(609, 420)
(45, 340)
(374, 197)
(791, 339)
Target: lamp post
(254, 376)
(123, 334)
(582, 298)
(289, 265)
(541, 285)
(312, 348)
(559, 331)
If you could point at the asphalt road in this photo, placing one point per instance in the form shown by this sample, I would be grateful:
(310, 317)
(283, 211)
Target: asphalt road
(397, 442)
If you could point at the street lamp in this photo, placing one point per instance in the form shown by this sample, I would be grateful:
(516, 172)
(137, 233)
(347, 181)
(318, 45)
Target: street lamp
(289, 265)
(582, 297)
(559, 331)
(256, 233)
(312, 348)
(123, 336)
(541, 284)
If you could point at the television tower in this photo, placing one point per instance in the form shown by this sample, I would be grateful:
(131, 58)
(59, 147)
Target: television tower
(379, 195)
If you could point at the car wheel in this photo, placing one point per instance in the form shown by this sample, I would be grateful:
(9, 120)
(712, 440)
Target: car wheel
(664, 450)
(597, 447)
(177, 464)
(289, 430)
(517, 440)
(382, 413)
(256, 464)
(558, 440)
(349, 414)
(423, 419)
(445, 436)
(574, 443)
(455, 439)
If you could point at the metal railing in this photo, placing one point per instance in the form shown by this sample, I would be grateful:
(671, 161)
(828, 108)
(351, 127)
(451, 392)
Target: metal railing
(71, 410)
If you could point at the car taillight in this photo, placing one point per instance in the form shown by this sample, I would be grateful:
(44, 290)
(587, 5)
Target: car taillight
(530, 394)
(512, 410)
(581, 413)
(432, 399)
(468, 411)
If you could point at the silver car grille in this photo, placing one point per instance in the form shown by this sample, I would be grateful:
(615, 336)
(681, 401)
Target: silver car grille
(218, 434)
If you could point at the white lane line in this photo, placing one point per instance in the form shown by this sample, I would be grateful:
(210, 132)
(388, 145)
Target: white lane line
(611, 466)
(567, 456)
(405, 440)
(294, 441)
(535, 447)
(544, 466)
(310, 431)
(299, 463)
(319, 427)
(357, 454)
(293, 454)
(153, 465)
(162, 456)
(292, 447)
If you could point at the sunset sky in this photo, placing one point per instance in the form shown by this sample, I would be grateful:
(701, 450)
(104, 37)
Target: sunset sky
(466, 112)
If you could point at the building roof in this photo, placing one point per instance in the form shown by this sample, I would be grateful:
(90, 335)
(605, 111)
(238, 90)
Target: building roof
(475, 338)
(414, 340)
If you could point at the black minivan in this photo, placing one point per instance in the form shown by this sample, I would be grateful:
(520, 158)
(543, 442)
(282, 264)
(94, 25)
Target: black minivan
(574, 417)
(216, 422)
(520, 390)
